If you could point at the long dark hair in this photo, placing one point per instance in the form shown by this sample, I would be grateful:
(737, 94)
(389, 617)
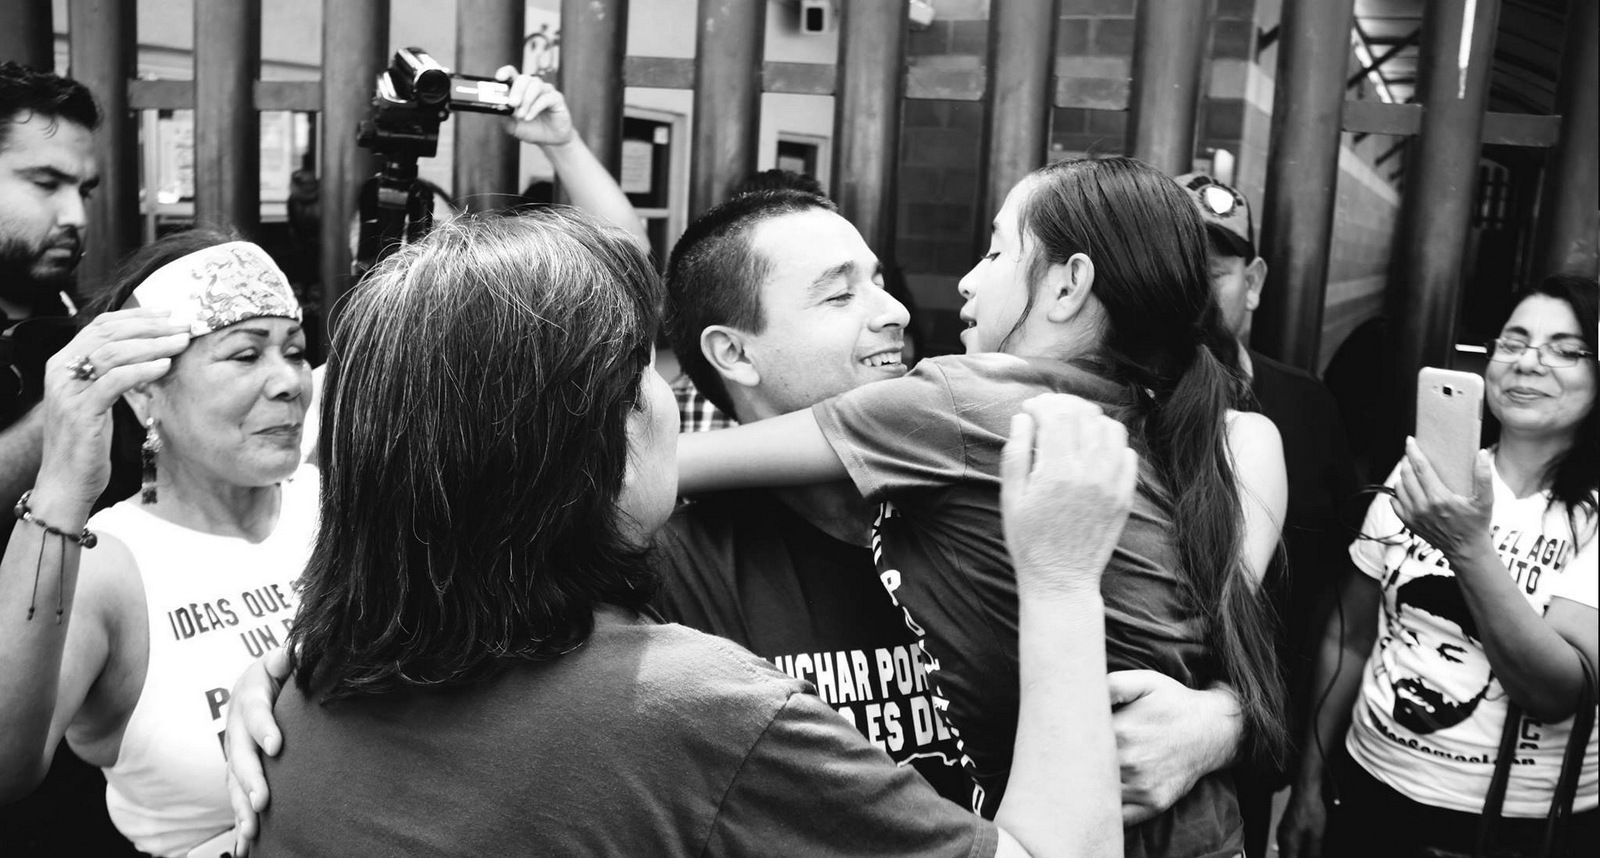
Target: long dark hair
(1163, 339)
(474, 446)
(1573, 476)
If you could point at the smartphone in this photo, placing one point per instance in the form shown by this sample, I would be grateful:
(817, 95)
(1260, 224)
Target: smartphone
(220, 846)
(1450, 423)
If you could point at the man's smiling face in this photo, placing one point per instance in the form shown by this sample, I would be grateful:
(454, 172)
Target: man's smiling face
(830, 326)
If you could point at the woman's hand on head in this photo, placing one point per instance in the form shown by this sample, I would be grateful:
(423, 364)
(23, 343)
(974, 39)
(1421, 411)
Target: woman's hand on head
(1067, 479)
(117, 351)
(1453, 524)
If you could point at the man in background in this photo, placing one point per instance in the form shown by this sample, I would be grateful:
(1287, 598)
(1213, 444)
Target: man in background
(1321, 471)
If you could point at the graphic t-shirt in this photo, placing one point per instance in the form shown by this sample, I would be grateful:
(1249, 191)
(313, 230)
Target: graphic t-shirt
(1430, 713)
(744, 566)
(649, 739)
(215, 604)
(928, 445)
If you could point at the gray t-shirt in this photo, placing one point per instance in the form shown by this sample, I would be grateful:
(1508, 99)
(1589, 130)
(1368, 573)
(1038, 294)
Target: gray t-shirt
(928, 445)
(647, 740)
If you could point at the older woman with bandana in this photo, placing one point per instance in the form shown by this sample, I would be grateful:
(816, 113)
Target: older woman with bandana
(123, 632)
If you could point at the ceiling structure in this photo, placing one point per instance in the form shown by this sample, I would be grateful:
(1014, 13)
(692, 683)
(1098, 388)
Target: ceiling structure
(1527, 50)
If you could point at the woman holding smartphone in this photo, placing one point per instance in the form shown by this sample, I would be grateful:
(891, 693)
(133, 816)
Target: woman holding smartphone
(1484, 600)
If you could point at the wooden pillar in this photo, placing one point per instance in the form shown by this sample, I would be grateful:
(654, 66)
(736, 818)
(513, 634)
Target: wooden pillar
(488, 36)
(1168, 45)
(866, 118)
(28, 36)
(227, 128)
(594, 42)
(1016, 130)
(1296, 219)
(101, 34)
(1442, 174)
(1567, 221)
(729, 46)
(355, 49)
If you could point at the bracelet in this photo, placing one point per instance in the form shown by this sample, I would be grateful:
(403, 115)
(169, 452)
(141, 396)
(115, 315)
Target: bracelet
(86, 538)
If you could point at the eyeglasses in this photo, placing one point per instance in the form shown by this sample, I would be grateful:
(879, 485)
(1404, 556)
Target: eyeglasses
(1553, 355)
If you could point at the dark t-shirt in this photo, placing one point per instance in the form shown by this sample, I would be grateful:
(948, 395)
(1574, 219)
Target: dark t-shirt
(744, 566)
(928, 445)
(647, 740)
(1322, 511)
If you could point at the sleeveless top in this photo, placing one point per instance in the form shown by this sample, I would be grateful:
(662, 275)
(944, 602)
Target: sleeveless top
(215, 604)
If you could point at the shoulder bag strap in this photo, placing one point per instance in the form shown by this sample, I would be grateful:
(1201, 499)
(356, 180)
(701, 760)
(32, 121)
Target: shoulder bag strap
(1571, 763)
(1496, 797)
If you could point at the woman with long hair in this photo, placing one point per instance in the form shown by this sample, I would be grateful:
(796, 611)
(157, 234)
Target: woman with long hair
(1484, 601)
(1095, 284)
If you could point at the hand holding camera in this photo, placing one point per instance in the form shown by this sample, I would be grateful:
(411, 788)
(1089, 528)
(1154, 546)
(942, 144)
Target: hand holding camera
(539, 113)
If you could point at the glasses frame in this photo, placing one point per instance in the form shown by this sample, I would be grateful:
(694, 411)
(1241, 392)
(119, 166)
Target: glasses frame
(1543, 352)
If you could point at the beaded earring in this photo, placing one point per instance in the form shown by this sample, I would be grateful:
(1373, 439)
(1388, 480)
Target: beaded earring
(147, 461)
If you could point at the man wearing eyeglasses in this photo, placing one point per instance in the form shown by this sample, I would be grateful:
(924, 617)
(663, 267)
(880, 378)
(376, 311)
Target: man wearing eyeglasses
(1322, 473)
(47, 169)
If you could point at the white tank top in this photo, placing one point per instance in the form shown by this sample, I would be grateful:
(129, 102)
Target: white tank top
(216, 603)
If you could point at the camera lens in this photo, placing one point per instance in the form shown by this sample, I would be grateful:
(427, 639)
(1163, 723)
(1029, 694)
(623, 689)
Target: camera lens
(432, 86)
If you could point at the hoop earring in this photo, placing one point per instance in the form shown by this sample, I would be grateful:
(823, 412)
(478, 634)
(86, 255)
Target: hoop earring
(147, 461)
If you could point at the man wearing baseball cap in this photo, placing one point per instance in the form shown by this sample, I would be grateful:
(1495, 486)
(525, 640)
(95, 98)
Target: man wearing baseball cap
(1321, 470)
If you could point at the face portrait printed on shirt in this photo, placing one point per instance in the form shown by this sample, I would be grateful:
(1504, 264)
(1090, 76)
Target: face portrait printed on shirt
(1438, 682)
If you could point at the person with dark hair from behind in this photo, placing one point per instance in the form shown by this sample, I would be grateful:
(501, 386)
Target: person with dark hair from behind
(1456, 607)
(1061, 303)
(1321, 474)
(472, 659)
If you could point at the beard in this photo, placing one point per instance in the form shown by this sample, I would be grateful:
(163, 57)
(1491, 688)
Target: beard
(30, 274)
(1423, 709)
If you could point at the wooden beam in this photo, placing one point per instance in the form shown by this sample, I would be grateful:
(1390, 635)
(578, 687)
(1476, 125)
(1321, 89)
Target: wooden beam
(659, 72)
(1377, 117)
(102, 49)
(1567, 223)
(1302, 173)
(729, 40)
(866, 118)
(304, 96)
(594, 45)
(1436, 208)
(805, 78)
(355, 49)
(227, 128)
(1168, 48)
(161, 94)
(484, 165)
(28, 36)
(1016, 129)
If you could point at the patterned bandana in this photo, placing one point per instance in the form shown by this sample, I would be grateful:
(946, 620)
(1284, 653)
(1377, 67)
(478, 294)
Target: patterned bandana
(219, 286)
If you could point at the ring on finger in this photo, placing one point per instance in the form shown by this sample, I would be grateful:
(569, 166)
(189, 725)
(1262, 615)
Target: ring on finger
(81, 368)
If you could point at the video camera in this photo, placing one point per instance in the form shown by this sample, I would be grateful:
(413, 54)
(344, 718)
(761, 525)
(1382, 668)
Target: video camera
(414, 96)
